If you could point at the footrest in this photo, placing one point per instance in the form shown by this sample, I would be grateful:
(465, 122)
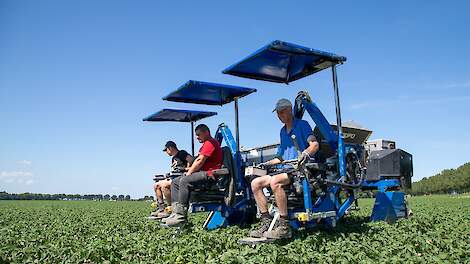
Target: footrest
(305, 217)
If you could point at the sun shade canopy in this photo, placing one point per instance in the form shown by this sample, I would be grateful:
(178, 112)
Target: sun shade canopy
(283, 62)
(179, 115)
(197, 92)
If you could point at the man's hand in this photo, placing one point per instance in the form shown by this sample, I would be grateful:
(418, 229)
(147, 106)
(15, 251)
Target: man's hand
(197, 164)
(303, 157)
(263, 166)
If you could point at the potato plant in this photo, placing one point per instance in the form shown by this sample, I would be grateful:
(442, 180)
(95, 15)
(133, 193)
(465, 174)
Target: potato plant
(116, 232)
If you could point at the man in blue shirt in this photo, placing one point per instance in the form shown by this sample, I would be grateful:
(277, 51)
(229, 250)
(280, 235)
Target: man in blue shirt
(287, 150)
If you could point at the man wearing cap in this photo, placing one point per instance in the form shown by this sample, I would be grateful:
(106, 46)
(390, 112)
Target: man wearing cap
(180, 161)
(200, 173)
(287, 150)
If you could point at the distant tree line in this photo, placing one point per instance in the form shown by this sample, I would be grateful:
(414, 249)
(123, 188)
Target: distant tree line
(447, 181)
(63, 196)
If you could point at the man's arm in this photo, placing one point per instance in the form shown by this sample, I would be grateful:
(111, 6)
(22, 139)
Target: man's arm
(190, 160)
(313, 146)
(273, 162)
(197, 164)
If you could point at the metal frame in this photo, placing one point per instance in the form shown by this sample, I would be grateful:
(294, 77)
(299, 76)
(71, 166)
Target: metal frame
(237, 129)
(192, 138)
(341, 154)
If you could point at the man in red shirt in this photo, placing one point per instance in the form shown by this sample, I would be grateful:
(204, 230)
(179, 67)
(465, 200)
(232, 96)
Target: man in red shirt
(200, 173)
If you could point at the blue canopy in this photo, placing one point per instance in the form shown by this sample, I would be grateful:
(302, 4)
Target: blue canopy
(283, 62)
(197, 92)
(179, 115)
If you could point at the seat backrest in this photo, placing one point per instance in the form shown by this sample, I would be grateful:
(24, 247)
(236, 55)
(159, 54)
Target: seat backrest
(228, 183)
(229, 164)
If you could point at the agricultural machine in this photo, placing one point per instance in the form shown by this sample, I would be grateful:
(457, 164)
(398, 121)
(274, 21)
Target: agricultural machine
(322, 191)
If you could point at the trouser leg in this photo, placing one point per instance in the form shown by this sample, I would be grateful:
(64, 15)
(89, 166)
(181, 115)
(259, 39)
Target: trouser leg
(188, 182)
(175, 189)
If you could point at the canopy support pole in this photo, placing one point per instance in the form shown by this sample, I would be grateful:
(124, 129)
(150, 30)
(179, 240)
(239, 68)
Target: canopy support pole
(341, 149)
(237, 132)
(192, 138)
(338, 110)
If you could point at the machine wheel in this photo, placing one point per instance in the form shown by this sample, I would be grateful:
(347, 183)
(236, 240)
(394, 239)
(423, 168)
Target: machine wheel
(354, 169)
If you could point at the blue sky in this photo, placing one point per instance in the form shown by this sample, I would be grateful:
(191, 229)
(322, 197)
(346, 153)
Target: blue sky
(77, 77)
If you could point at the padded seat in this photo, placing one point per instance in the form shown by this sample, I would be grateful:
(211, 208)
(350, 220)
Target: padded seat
(222, 190)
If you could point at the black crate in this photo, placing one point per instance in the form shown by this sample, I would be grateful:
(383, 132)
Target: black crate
(390, 163)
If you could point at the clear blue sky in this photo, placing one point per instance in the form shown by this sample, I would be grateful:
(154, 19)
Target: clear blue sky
(77, 77)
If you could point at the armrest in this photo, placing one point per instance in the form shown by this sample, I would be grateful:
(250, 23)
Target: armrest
(220, 172)
(159, 177)
(173, 175)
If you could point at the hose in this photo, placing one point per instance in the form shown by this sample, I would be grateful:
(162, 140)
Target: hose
(350, 185)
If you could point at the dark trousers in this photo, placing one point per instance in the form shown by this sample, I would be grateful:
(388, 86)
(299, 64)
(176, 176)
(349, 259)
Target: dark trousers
(181, 186)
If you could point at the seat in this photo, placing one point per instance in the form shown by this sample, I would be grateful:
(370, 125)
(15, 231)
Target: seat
(223, 191)
(295, 198)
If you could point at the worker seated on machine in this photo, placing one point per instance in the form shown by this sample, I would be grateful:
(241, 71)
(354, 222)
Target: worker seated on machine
(199, 174)
(180, 162)
(306, 144)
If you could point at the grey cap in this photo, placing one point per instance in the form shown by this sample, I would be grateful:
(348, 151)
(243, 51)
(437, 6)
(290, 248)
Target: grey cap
(281, 104)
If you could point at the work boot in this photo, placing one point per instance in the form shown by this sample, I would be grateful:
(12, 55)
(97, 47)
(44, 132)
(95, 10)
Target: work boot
(179, 218)
(167, 218)
(155, 213)
(162, 215)
(160, 208)
(280, 231)
(173, 205)
(165, 213)
(261, 231)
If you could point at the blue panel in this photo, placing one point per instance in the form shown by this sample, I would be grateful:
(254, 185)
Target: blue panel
(389, 206)
(328, 203)
(197, 92)
(295, 224)
(341, 156)
(242, 213)
(179, 115)
(217, 220)
(307, 195)
(224, 132)
(322, 123)
(346, 204)
(283, 62)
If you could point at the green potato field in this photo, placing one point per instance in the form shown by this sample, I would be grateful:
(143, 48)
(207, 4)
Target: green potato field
(116, 232)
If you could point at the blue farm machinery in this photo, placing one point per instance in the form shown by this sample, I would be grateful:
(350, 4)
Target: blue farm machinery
(322, 192)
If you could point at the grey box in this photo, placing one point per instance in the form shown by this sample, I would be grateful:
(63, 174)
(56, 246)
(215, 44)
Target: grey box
(380, 144)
